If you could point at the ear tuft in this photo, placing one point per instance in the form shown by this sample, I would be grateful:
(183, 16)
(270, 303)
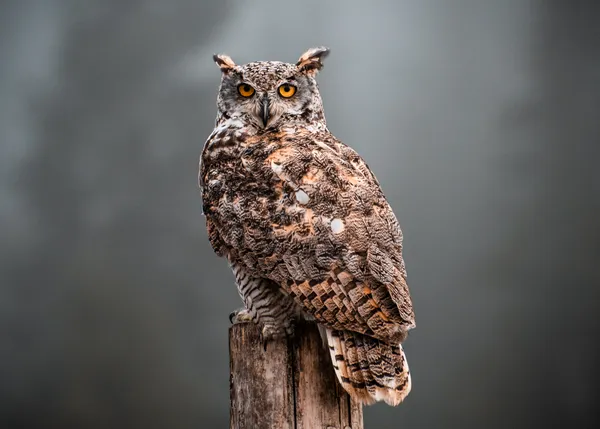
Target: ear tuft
(312, 60)
(224, 62)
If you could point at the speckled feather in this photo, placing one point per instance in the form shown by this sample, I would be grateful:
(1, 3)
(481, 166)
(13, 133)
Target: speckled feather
(306, 227)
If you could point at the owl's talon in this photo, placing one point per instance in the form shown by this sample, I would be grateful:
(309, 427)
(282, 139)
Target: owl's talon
(240, 315)
(269, 333)
(274, 332)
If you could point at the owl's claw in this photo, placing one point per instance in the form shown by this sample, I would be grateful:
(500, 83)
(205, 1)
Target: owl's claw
(241, 315)
(269, 332)
(275, 332)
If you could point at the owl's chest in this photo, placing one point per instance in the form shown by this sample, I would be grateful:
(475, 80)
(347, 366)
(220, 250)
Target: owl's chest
(237, 182)
(235, 170)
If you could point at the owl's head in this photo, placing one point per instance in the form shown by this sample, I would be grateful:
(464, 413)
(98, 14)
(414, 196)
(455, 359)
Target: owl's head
(267, 94)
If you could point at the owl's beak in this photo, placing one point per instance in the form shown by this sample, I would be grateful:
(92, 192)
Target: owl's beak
(264, 109)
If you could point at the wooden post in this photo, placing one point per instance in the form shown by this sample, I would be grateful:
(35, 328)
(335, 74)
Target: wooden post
(291, 385)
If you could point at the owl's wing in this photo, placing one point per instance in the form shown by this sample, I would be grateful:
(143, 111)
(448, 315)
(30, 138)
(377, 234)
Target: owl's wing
(335, 243)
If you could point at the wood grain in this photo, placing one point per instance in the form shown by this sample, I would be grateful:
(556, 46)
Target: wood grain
(290, 385)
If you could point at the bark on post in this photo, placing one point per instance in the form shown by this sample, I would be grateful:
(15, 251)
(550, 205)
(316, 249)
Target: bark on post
(291, 385)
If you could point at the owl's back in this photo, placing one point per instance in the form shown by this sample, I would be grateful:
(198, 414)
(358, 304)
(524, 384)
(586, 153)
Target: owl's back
(296, 205)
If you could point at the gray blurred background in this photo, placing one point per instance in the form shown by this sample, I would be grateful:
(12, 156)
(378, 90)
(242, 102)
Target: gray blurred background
(479, 118)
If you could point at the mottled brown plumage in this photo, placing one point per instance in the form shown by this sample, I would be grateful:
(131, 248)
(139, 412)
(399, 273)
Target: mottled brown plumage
(305, 225)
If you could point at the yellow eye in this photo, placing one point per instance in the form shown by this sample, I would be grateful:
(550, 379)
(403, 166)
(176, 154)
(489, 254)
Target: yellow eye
(286, 90)
(245, 90)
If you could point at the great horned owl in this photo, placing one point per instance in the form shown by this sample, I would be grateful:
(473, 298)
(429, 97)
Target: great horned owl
(304, 224)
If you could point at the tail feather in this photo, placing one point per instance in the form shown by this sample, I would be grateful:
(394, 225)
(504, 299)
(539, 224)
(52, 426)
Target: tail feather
(364, 376)
(369, 369)
(356, 378)
(340, 363)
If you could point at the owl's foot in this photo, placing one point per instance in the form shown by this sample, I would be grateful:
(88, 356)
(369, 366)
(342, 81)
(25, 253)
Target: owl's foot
(241, 315)
(269, 331)
(275, 332)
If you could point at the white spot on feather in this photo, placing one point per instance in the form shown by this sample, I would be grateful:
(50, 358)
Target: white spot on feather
(302, 197)
(277, 169)
(337, 225)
